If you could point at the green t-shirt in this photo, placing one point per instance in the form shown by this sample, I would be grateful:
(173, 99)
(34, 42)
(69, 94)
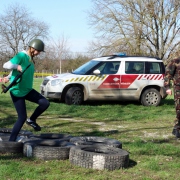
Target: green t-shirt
(26, 83)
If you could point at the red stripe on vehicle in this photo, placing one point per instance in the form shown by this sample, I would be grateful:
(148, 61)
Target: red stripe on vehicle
(152, 77)
(140, 77)
(148, 77)
(156, 77)
(111, 82)
(127, 80)
(161, 77)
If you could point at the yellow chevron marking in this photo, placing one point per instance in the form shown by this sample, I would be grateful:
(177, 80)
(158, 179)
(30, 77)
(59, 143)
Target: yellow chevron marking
(104, 77)
(94, 78)
(81, 79)
(72, 80)
(76, 79)
(85, 78)
(90, 78)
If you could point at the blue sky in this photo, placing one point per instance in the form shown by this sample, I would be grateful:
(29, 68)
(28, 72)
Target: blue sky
(65, 17)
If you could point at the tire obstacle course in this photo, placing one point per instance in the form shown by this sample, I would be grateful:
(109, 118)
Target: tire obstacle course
(85, 151)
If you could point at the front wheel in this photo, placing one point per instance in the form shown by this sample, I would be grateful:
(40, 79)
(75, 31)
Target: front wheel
(151, 97)
(74, 95)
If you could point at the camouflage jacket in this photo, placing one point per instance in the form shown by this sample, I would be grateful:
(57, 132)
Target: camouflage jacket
(172, 73)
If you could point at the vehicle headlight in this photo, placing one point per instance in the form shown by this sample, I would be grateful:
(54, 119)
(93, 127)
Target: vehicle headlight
(56, 82)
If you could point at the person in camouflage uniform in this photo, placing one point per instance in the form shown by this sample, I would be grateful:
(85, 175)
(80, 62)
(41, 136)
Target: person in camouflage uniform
(173, 73)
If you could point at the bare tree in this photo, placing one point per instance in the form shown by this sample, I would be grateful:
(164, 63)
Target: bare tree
(18, 27)
(58, 50)
(136, 27)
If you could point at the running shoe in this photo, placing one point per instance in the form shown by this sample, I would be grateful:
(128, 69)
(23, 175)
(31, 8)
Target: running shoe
(33, 124)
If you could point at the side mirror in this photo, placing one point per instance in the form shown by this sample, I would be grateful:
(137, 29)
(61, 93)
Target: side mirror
(96, 72)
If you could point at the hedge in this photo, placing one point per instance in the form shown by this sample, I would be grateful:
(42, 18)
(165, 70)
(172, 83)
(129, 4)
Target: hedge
(35, 74)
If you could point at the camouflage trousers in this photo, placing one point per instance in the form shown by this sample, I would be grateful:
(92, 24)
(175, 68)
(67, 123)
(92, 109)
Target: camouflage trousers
(177, 103)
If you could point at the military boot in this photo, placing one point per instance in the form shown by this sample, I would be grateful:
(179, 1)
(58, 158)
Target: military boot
(176, 129)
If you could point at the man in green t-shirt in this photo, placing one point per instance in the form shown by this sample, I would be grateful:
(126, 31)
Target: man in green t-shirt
(23, 90)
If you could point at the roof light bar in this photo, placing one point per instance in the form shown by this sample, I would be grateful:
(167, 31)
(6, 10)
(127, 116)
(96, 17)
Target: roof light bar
(120, 54)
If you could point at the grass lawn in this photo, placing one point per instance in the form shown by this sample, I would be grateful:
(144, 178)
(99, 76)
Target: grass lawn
(145, 132)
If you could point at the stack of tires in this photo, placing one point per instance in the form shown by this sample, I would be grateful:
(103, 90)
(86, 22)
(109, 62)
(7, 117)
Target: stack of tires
(98, 153)
(12, 147)
(48, 146)
(85, 151)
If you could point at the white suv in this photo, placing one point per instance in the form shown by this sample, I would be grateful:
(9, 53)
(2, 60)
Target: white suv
(115, 77)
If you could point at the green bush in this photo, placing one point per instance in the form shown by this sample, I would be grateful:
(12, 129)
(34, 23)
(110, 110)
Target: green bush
(35, 74)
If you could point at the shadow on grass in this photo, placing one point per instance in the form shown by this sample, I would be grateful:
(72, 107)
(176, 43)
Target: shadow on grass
(16, 156)
(132, 163)
(99, 133)
(6, 110)
(104, 102)
(167, 101)
(101, 102)
(9, 121)
(95, 132)
(21, 157)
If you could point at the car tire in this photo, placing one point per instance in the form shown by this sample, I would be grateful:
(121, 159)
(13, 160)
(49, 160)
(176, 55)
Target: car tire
(47, 149)
(91, 140)
(20, 138)
(4, 137)
(11, 147)
(74, 95)
(151, 97)
(99, 157)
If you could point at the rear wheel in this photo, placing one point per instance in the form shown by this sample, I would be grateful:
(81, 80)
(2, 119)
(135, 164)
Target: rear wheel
(151, 97)
(74, 95)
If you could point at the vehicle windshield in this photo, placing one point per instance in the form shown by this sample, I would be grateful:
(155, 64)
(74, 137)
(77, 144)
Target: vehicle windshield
(85, 67)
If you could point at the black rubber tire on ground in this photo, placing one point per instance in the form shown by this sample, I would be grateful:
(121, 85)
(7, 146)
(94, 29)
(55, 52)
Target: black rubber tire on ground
(4, 137)
(90, 140)
(151, 97)
(47, 149)
(54, 136)
(11, 147)
(20, 138)
(74, 95)
(99, 157)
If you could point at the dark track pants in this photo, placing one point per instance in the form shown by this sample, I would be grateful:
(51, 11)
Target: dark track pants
(20, 105)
